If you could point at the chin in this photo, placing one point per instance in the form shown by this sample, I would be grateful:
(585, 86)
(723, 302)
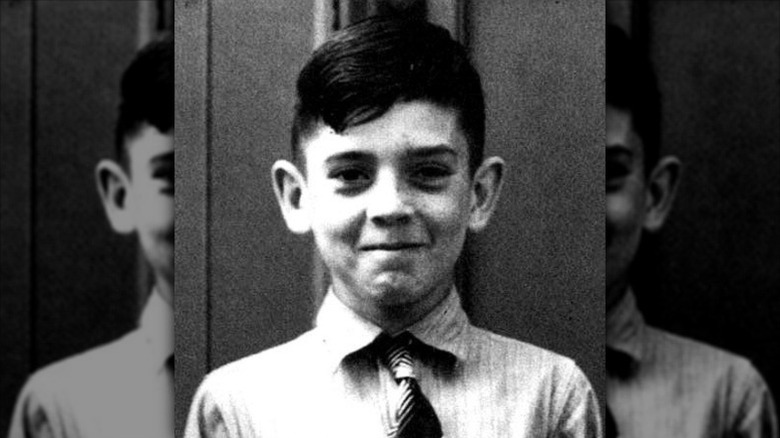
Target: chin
(395, 290)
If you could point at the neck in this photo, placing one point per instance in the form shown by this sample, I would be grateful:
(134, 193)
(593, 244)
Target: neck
(394, 318)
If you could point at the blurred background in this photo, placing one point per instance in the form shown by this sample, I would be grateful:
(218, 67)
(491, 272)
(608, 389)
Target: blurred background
(244, 283)
(67, 282)
(712, 274)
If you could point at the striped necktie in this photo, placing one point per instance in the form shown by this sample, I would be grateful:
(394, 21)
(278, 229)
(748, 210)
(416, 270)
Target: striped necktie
(414, 415)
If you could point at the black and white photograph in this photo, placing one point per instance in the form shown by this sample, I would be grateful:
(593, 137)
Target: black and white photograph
(341, 186)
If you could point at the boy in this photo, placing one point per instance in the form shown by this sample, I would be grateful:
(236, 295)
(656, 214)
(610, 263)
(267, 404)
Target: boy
(388, 175)
(659, 384)
(125, 388)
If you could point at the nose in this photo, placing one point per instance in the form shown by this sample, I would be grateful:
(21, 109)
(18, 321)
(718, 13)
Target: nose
(389, 204)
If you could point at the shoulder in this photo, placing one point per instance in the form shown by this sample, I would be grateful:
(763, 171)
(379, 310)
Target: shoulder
(86, 371)
(528, 367)
(59, 394)
(713, 375)
(698, 359)
(523, 356)
(553, 383)
(261, 369)
(728, 379)
(234, 397)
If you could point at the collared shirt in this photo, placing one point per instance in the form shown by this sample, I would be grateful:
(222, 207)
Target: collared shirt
(121, 389)
(669, 386)
(330, 383)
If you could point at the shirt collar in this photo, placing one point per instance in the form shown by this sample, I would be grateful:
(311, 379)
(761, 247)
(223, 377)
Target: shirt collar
(626, 327)
(156, 328)
(345, 332)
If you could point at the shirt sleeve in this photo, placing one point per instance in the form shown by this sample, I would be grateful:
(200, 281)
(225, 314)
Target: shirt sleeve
(578, 408)
(206, 418)
(756, 416)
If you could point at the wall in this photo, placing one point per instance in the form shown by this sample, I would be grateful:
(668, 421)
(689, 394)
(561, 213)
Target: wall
(538, 270)
(242, 281)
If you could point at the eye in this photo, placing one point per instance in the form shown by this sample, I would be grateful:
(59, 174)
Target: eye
(616, 174)
(351, 177)
(433, 171)
(431, 174)
(165, 175)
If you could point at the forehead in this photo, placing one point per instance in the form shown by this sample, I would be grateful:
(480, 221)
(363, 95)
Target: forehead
(621, 137)
(406, 127)
(148, 144)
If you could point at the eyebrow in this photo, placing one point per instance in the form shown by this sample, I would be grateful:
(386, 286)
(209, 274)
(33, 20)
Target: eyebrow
(412, 152)
(348, 156)
(432, 151)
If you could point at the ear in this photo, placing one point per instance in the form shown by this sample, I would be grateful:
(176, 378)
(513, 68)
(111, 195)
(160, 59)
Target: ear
(113, 185)
(661, 190)
(290, 189)
(485, 189)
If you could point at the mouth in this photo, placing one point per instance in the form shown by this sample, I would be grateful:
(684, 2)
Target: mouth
(395, 246)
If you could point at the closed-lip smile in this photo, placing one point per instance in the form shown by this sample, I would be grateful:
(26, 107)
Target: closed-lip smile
(391, 246)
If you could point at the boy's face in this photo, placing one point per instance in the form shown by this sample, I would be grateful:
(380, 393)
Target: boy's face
(389, 204)
(626, 200)
(150, 192)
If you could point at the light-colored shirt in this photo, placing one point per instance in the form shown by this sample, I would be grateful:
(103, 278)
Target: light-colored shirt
(669, 386)
(121, 389)
(327, 383)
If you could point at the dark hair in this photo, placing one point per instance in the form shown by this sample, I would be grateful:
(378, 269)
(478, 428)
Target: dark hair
(366, 68)
(147, 93)
(631, 86)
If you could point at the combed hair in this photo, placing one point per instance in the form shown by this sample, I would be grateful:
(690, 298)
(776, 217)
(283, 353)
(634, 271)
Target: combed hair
(147, 93)
(631, 86)
(366, 68)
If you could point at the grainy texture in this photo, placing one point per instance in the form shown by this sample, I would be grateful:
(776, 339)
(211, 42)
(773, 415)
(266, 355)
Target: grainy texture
(242, 280)
(191, 209)
(332, 382)
(538, 271)
(261, 293)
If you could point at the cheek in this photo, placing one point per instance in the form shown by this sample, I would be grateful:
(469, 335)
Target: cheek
(154, 211)
(336, 218)
(624, 215)
(449, 217)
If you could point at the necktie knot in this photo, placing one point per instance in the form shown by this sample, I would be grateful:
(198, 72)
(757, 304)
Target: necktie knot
(414, 415)
(397, 355)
